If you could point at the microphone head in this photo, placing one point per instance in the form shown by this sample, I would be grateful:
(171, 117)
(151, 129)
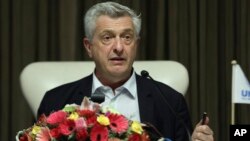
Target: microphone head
(98, 98)
(144, 73)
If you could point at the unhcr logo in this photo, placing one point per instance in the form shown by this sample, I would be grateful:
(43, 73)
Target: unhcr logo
(245, 94)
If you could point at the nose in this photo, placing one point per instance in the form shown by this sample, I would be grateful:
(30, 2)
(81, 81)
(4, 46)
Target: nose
(118, 46)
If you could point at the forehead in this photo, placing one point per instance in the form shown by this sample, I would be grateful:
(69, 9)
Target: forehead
(104, 23)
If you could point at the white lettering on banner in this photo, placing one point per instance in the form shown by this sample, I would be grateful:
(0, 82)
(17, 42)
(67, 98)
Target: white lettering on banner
(240, 132)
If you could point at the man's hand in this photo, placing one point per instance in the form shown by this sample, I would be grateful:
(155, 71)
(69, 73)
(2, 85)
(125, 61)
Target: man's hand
(203, 132)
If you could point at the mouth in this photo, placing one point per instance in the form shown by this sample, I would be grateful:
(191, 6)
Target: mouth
(117, 60)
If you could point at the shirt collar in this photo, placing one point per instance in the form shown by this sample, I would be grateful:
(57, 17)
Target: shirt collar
(129, 85)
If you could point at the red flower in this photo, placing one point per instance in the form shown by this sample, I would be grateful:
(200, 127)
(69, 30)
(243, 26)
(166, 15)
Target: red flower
(81, 134)
(89, 115)
(57, 117)
(99, 133)
(55, 133)
(86, 113)
(91, 120)
(67, 127)
(134, 137)
(118, 123)
(24, 137)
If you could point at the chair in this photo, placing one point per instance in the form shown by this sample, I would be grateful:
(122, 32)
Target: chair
(36, 78)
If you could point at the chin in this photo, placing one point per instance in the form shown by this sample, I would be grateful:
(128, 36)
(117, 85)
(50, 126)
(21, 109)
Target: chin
(121, 74)
(120, 70)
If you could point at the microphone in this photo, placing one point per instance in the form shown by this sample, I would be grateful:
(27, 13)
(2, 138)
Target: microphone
(145, 74)
(98, 98)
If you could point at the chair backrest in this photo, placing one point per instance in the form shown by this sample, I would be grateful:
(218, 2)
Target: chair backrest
(39, 77)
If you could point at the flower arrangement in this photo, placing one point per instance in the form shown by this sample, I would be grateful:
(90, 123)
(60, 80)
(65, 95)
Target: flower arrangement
(84, 122)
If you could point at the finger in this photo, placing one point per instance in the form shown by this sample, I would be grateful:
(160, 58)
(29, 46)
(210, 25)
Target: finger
(202, 137)
(205, 129)
(208, 138)
(205, 123)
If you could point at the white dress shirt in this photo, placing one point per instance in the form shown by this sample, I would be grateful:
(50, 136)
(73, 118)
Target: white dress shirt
(123, 99)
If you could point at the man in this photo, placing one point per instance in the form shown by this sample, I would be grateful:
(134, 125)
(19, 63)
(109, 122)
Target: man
(112, 37)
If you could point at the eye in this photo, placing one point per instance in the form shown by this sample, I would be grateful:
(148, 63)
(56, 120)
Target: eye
(127, 38)
(106, 38)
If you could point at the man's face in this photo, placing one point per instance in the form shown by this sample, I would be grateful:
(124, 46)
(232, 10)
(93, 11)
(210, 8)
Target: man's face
(113, 47)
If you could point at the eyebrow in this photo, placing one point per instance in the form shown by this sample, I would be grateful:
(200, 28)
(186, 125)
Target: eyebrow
(129, 30)
(112, 31)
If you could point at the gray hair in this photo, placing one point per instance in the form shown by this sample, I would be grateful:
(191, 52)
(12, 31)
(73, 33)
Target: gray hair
(110, 9)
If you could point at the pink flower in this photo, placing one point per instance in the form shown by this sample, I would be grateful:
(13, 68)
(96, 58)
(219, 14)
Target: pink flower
(80, 123)
(57, 117)
(118, 123)
(99, 133)
(67, 127)
(43, 135)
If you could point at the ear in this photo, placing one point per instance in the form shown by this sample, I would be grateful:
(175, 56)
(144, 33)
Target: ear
(87, 44)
